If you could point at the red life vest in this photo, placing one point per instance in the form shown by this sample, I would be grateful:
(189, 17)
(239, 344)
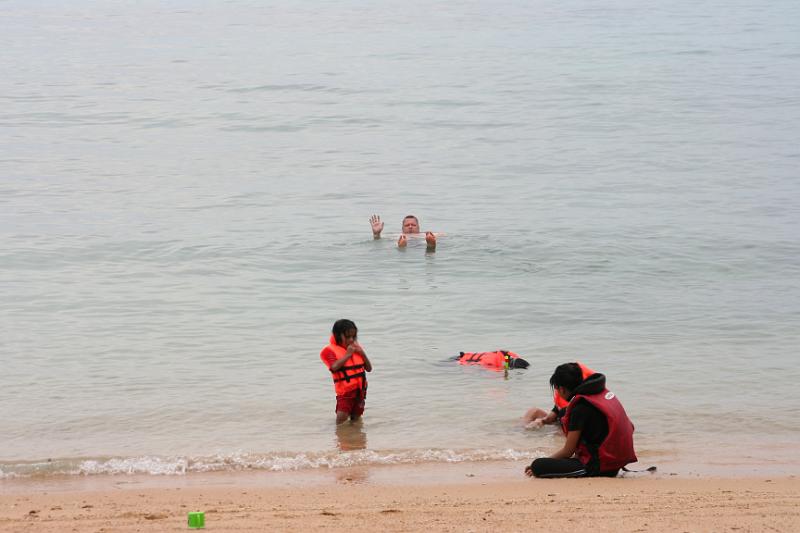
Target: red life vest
(617, 449)
(493, 360)
(560, 402)
(349, 377)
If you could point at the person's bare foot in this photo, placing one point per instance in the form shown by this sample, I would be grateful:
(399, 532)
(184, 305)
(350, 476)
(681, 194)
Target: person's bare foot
(430, 238)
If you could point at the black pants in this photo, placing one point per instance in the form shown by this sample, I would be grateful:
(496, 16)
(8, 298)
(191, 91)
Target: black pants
(546, 467)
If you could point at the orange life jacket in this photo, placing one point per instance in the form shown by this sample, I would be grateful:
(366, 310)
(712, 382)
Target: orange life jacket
(496, 360)
(560, 402)
(349, 377)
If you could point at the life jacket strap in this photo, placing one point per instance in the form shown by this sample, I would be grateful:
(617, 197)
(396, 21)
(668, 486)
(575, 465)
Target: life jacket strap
(345, 376)
(350, 376)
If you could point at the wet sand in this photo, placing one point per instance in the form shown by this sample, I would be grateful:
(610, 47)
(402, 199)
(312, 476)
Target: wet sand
(475, 497)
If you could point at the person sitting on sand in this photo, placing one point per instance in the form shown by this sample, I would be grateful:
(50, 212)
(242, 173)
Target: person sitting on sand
(410, 227)
(535, 417)
(599, 432)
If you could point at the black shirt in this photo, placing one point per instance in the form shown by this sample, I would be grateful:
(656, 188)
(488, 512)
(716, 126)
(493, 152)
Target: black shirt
(593, 426)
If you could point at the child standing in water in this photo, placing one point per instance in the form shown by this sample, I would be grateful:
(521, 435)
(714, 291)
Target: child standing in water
(348, 363)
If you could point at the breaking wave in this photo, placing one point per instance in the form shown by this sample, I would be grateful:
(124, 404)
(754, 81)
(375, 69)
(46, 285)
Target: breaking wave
(273, 462)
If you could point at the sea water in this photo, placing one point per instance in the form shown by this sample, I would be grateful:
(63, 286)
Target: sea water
(185, 190)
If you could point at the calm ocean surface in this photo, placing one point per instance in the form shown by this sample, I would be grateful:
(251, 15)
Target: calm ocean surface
(185, 190)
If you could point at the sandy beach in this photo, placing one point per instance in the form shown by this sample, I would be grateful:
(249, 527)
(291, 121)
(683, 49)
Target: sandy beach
(432, 498)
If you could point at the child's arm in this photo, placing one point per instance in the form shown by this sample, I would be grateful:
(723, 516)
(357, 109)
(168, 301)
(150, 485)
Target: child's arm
(569, 446)
(551, 418)
(360, 349)
(339, 363)
(342, 361)
(367, 362)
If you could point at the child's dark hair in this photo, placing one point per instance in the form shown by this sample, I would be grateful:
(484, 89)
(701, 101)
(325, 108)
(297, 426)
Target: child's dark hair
(568, 375)
(342, 326)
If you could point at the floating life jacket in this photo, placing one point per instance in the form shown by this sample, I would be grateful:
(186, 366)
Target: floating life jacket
(616, 450)
(351, 376)
(560, 402)
(497, 360)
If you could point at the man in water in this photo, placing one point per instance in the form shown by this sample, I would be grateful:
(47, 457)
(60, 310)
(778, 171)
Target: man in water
(410, 227)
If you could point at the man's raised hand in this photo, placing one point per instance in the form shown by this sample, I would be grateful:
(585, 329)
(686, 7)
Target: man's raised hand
(377, 226)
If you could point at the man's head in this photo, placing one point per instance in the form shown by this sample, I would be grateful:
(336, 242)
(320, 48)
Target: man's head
(566, 379)
(410, 224)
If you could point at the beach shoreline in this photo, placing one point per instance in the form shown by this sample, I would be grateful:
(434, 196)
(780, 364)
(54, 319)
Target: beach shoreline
(460, 497)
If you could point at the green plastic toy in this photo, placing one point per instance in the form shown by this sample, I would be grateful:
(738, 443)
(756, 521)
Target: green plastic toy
(197, 520)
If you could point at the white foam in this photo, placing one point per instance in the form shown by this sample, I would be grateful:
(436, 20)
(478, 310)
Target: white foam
(135, 465)
(273, 462)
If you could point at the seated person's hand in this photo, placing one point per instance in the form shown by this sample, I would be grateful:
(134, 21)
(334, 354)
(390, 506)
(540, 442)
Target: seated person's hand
(402, 241)
(535, 424)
